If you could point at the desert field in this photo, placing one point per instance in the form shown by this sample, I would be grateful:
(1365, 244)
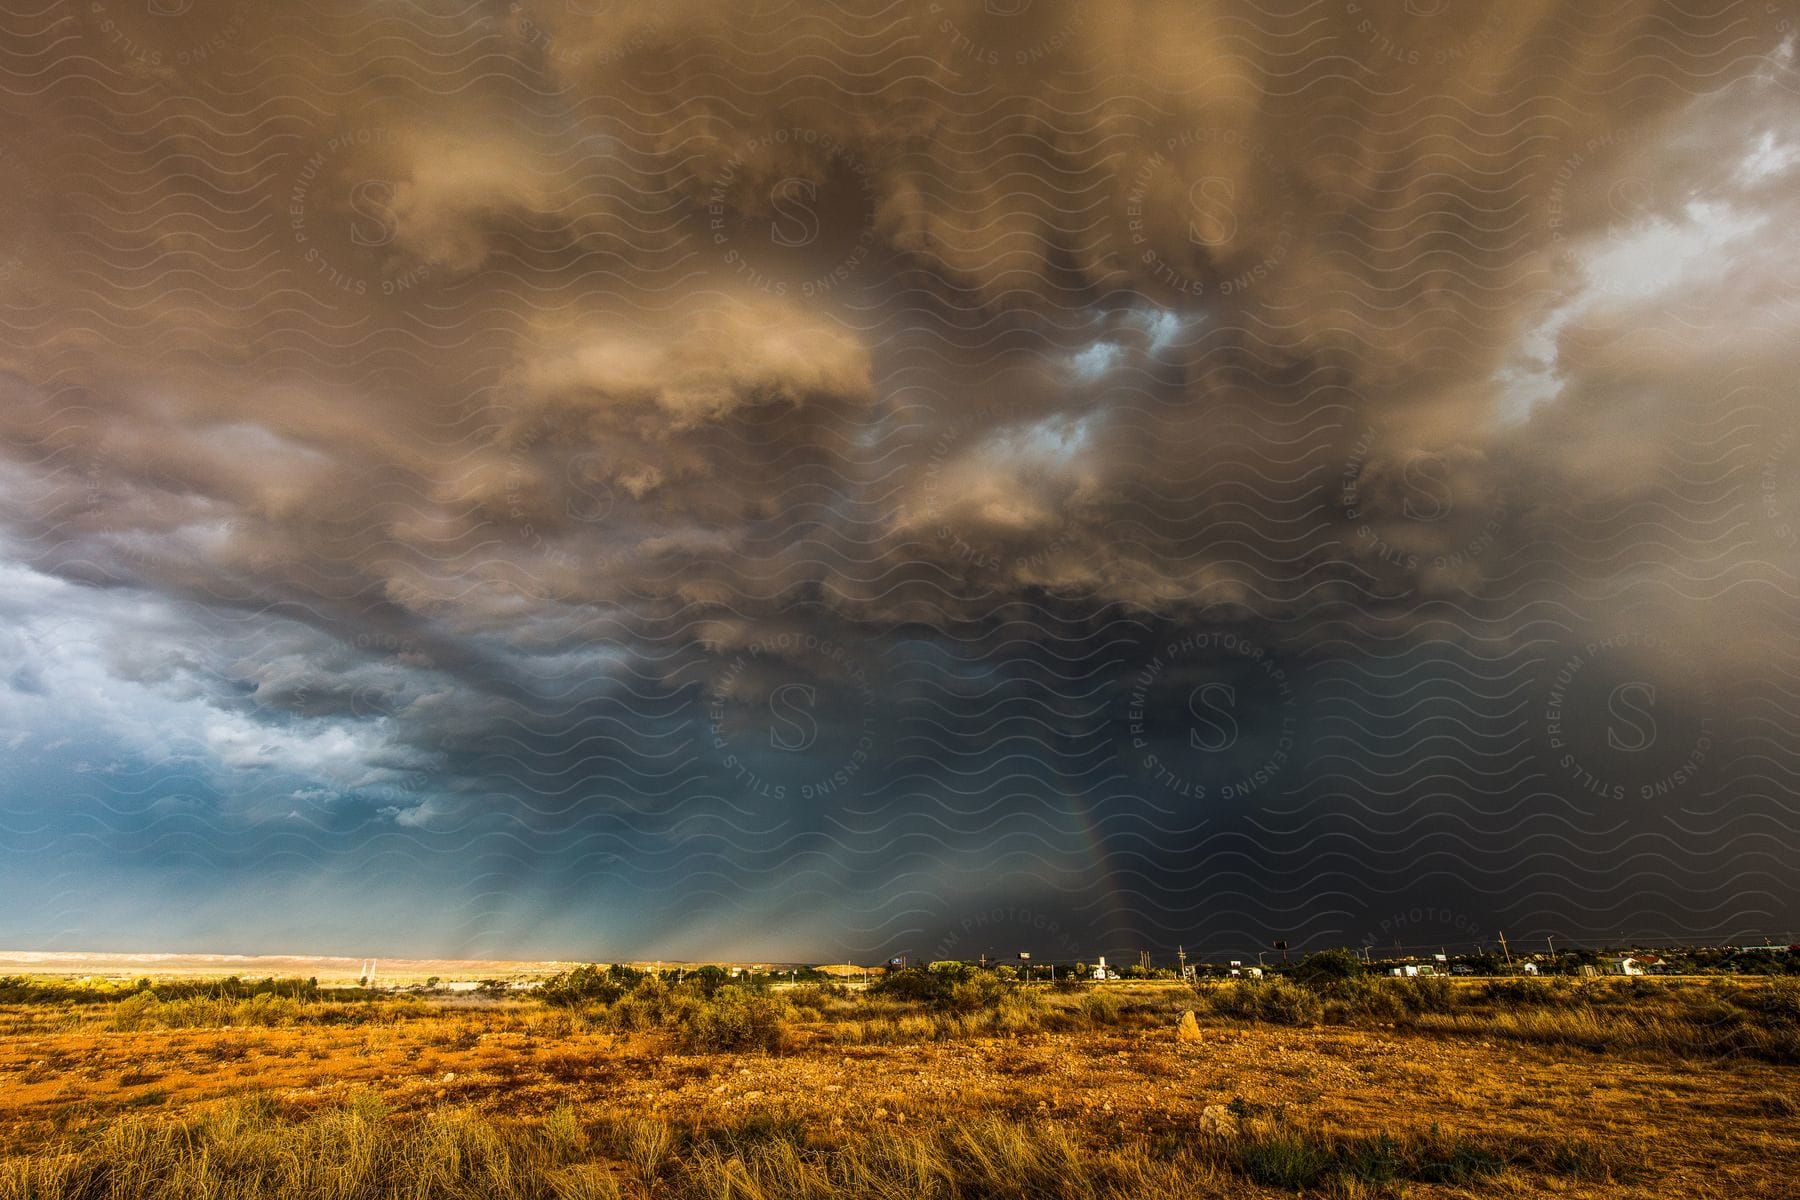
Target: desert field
(329, 970)
(628, 1085)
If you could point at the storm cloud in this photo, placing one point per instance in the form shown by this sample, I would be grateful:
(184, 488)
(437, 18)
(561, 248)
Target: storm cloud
(841, 479)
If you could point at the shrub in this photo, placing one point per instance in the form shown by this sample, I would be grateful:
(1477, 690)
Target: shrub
(1428, 993)
(978, 991)
(1285, 1003)
(1368, 997)
(734, 1019)
(817, 998)
(818, 995)
(918, 984)
(1275, 1000)
(1326, 970)
(587, 985)
(947, 987)
(1535, 993)
(706, 980)
(1099, 1008)
(136, 1012)
(647, 1005)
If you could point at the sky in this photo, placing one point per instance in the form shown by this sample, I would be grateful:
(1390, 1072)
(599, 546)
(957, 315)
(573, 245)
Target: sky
(829, 479)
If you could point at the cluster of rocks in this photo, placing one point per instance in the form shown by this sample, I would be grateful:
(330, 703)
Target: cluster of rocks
(1216, 1119)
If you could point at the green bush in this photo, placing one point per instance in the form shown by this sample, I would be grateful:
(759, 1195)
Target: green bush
(1525, 992)
(1327, 970)
(1367, 997)
(975, 993)
(1428, 993)
(136, 1012)
(733, 1019)
(1285, 1003)
(919, 984)
(648, 1005)
(588, 985)
(947, 987)
(1277, 1001)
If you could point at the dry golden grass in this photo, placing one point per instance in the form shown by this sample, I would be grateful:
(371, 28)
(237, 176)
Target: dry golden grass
(877, 1098)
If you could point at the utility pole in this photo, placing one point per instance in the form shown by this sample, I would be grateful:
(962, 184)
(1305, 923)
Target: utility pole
(1181, 961)
(1504, 951)
(1551, 942)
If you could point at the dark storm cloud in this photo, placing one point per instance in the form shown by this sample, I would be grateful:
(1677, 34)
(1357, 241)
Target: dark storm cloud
(788, 478)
